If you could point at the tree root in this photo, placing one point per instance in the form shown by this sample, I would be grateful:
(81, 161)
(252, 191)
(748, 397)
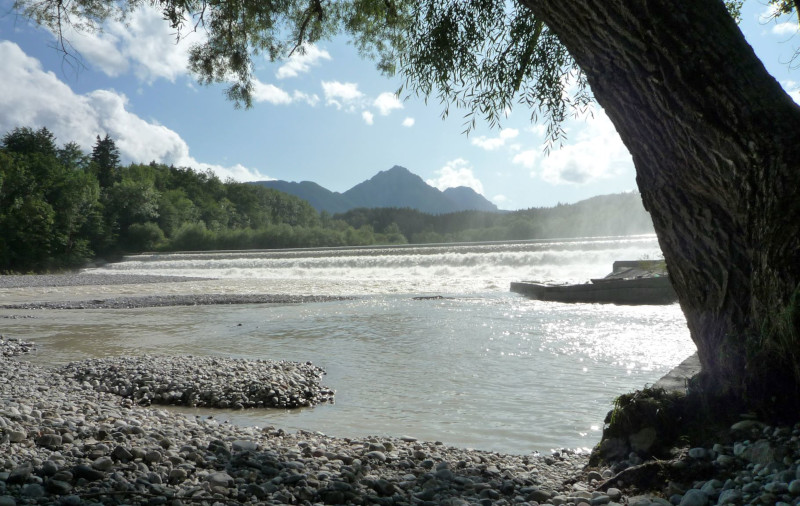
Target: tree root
(655, 475)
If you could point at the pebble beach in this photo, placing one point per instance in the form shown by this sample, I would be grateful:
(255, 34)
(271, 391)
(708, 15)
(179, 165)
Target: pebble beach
(64, 440)
(92, 432)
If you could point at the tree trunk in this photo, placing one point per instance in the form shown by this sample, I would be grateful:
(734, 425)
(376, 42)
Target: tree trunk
(714, 139)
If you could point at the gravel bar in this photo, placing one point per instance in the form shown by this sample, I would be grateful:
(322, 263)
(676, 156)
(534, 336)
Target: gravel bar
(63, 442)
(12, 347)
(66, 442)
(175, 300)
(213, 382)
(86, 279)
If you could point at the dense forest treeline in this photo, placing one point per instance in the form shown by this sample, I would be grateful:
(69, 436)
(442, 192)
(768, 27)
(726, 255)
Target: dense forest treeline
(60, 207)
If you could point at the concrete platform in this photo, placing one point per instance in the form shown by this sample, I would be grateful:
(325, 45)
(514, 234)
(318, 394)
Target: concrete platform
(676, 379)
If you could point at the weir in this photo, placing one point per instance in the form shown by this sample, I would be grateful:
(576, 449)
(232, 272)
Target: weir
(473, 264)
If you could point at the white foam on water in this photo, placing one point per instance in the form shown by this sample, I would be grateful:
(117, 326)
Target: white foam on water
(467, 268)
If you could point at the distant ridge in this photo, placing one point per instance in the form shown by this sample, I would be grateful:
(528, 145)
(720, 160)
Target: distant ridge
(396, 187)
(469, 199)
(319, 197)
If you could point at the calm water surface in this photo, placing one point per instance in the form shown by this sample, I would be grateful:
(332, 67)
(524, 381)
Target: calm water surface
(481, 367)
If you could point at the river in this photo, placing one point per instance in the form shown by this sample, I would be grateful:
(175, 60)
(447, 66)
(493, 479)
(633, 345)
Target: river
(469, 364)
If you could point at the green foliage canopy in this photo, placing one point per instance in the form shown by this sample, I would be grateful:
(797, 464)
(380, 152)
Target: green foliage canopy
(484, 56)
(60, 207)
(45, 204)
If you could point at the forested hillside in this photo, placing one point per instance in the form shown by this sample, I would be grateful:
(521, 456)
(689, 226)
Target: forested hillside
(61, 207)
(619, 214)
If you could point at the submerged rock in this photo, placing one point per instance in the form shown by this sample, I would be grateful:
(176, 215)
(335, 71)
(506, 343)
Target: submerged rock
(11, 347)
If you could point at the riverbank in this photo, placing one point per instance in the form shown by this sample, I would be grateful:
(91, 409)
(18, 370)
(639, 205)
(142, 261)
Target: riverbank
(64, 442)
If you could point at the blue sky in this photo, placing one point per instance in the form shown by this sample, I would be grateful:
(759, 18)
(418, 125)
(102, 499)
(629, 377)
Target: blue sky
(327, 116)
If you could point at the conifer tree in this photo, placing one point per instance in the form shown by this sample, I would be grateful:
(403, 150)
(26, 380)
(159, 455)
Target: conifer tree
(105, 161)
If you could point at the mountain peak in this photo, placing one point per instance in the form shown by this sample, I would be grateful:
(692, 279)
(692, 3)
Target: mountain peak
(395, 173)
(460, 189)
(395, 187)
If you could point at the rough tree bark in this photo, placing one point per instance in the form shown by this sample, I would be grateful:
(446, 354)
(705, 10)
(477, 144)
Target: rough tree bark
(714, 139)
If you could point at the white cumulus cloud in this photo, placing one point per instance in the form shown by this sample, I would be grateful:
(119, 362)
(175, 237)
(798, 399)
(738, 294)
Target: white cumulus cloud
(386, 103)
(32, 97)
(270, 93)
(312, 99)
(786, 28)
(793, 89)
(100, 50)
(341, 95)
(509, 133)
(301, 61)
(455, 173)
(146, 46)
(596, 153)
(348, 98)
(538, 129)
(492, 143)
(782, 24)
(526, 158)
(29, 96)
(142, 43)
